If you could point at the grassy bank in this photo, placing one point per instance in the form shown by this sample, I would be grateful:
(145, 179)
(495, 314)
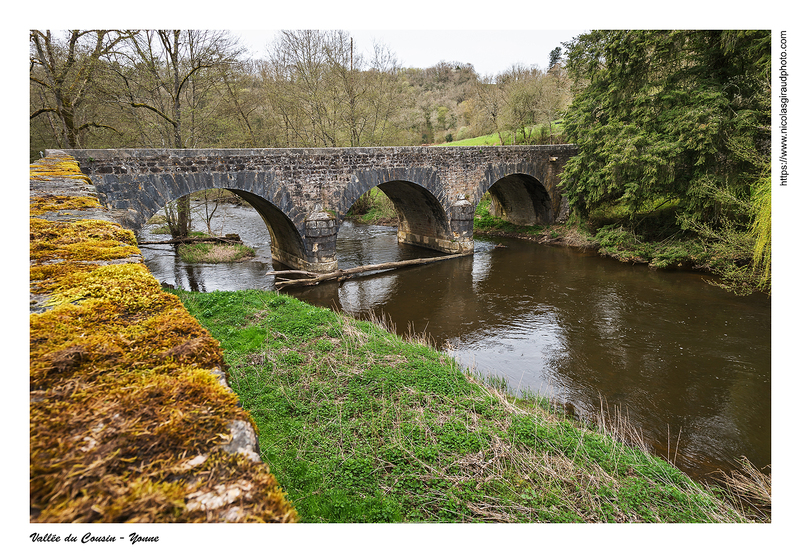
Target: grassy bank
(373, 208)
(205, 252)
(360, 425)
(563, 235)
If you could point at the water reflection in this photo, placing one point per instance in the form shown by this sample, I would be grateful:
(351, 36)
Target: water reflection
(679, 356)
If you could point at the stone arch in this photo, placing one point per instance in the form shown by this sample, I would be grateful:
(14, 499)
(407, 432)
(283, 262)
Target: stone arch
(363, 181)
(286, 244)
(285, 221)
(518, 194)
(418, 197)
(260, 189)
(422, 220)
(522, 200)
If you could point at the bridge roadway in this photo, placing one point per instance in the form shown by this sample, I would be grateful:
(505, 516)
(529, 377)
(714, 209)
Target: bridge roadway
(303, 193)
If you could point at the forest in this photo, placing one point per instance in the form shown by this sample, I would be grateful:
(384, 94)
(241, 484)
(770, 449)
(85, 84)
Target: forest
(673, 126)
(198, 89)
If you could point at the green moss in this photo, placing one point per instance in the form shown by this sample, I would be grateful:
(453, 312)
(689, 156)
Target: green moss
(43, 204)
(84, 240)
(127, 421)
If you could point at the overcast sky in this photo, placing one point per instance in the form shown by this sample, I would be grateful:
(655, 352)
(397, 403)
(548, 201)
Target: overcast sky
(490, 52)
(490, 35)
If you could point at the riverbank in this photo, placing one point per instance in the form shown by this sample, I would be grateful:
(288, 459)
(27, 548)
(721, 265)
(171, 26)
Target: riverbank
(360, 425)
(651, 241)
(553, 235)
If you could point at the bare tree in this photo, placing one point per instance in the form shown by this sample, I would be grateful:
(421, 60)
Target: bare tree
(209, 203)
(241, 102)
(520, 88)
(297, 75)
(554, 99)
(523, 97)
(385, 99)
(171, 74)
(63, 73)
(490, 101)
(327, 93)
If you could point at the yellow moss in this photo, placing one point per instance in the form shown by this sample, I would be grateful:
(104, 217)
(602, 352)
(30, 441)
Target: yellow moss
(76, 231)
(45, 278)
(57, 167)
(121, 390)
(99, 335)
(137, 501)
(128, 285)
(84, 240)
(43, 204)
(153, 421)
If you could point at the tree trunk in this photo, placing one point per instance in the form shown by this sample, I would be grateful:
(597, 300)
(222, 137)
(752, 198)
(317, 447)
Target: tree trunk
(344, 274)
(184, 218)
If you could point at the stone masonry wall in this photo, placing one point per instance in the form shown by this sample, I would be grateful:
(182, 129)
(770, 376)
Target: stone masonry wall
(131, 417)
(314, 187)
(319, 177)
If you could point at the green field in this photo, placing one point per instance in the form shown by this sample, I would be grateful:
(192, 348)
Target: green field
(494, 139)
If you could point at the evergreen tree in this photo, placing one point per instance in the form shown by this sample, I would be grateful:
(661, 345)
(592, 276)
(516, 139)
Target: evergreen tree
(672, 116)
(659, 111)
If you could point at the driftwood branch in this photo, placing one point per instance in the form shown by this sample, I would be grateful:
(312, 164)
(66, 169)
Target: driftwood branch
(343, 274)
(192, 240)
(307, 274)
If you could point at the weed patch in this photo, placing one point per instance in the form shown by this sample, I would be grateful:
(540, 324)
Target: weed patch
(214, 253)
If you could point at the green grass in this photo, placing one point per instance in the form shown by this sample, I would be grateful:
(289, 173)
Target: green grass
(373, 207)
(494, 138)
(486, 222)
(360, 425)
(204, 252)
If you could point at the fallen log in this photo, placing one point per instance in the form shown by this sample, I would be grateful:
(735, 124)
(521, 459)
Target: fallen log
(344, 274)
(307, 274)
(227, 239)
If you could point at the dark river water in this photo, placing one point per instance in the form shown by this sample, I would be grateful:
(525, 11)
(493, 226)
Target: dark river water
(684, 361)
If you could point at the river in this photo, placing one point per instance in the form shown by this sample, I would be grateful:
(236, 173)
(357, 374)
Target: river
(686, 362)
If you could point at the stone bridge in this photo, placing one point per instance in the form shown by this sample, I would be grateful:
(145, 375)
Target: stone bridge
(303, 193)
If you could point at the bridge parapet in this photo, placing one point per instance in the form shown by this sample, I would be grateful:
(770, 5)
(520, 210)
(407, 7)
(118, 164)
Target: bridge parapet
(131, 415)
(302, 193)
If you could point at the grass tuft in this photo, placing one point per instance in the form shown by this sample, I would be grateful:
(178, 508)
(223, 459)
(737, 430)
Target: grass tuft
(214, 253)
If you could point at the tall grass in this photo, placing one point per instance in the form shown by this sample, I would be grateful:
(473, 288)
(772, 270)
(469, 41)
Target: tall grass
(762, 229)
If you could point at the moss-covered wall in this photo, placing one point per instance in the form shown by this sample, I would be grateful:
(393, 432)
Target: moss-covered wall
(131, 419)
